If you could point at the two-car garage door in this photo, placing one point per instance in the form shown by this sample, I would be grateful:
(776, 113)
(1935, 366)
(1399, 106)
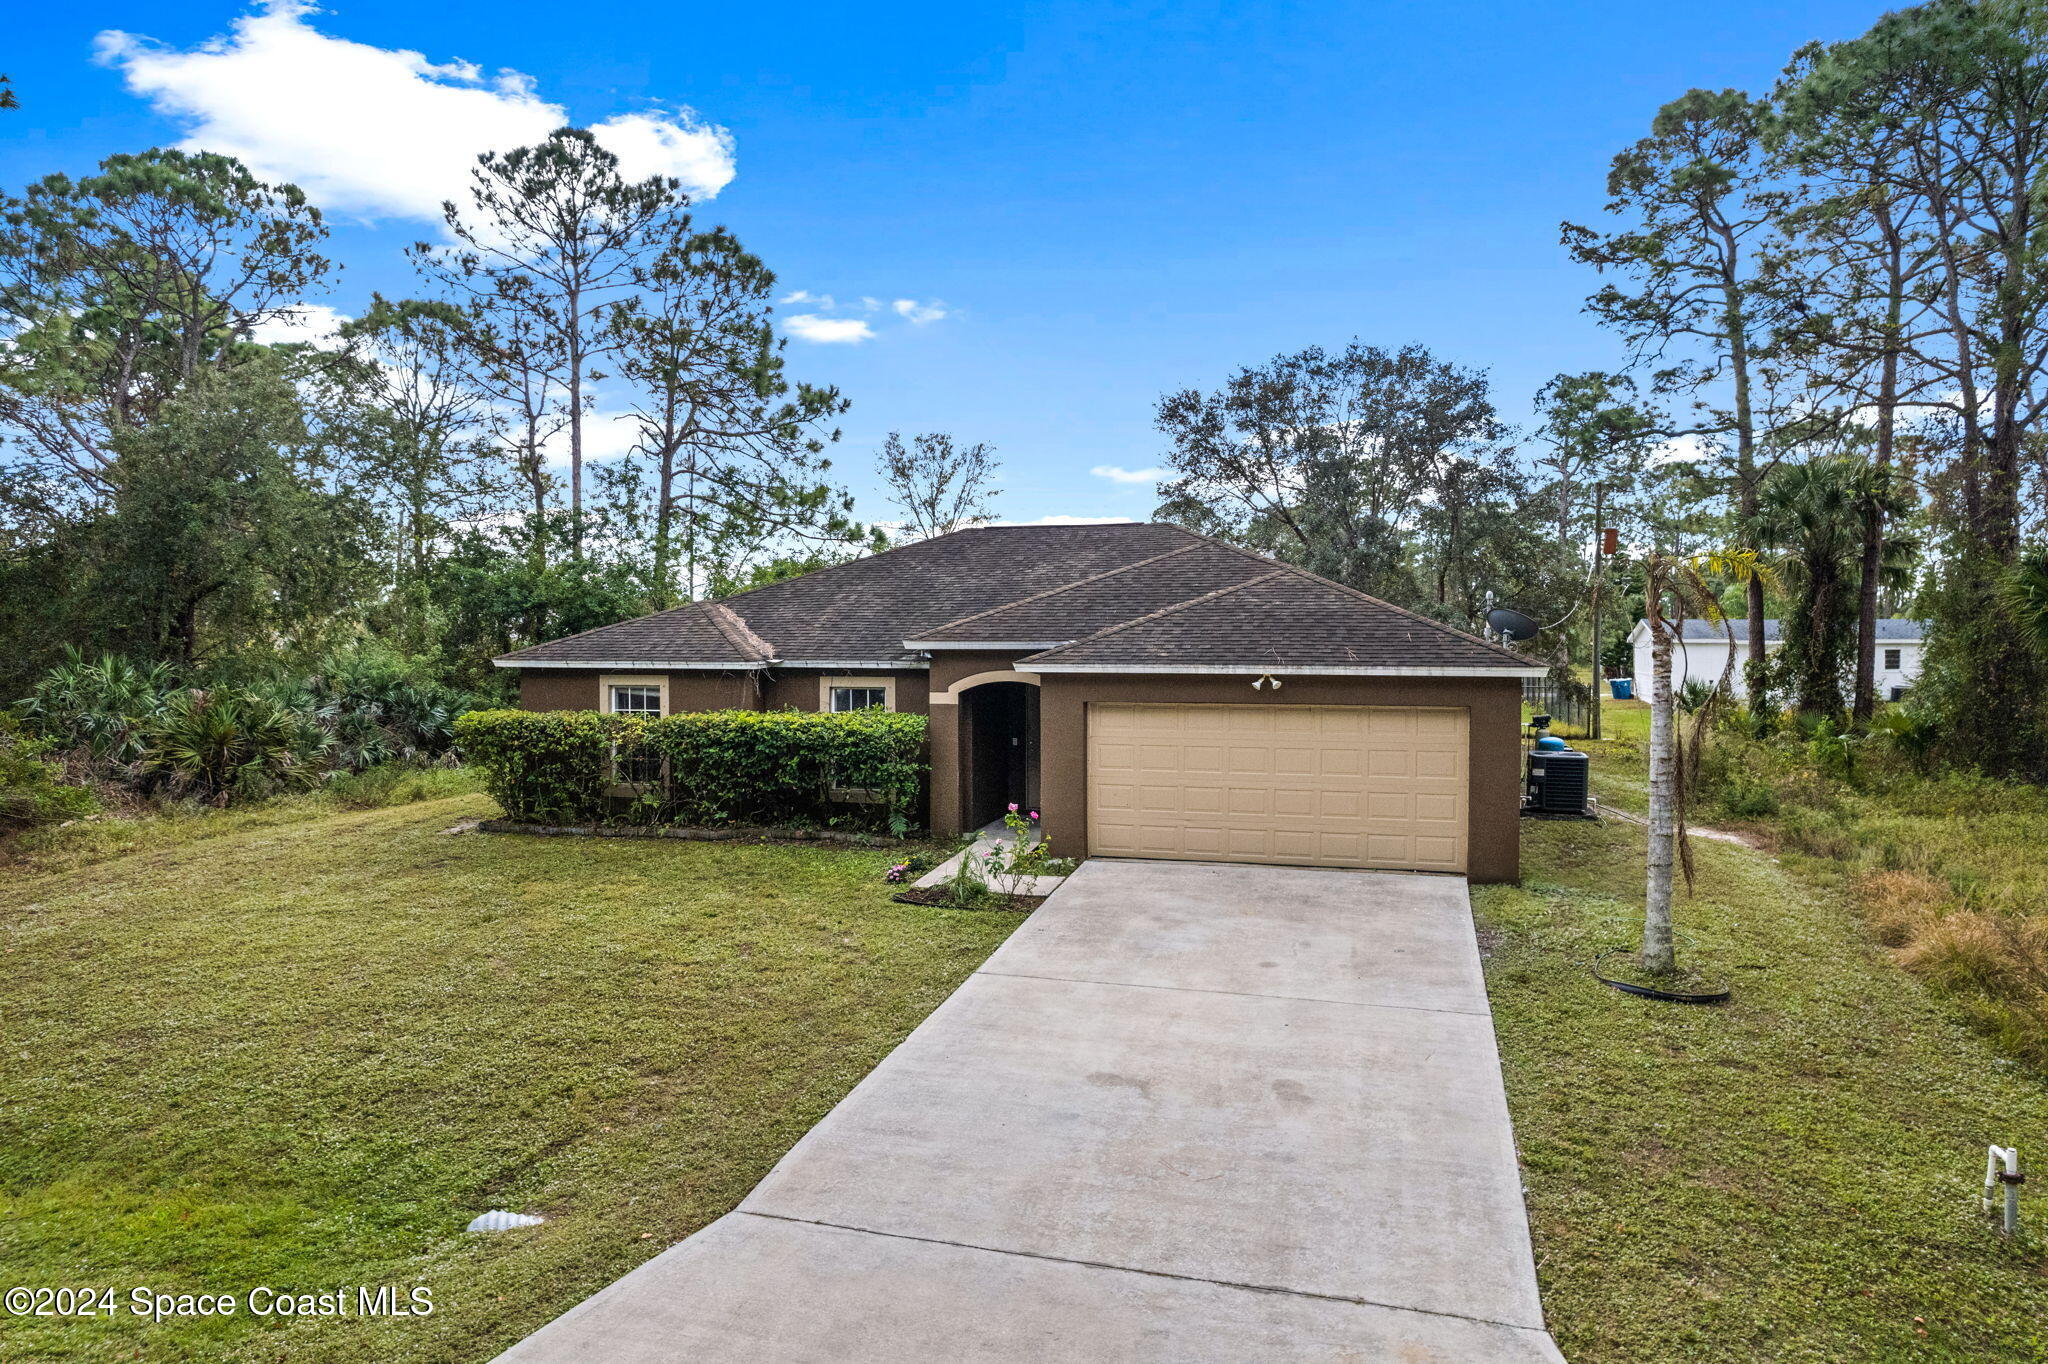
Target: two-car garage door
(1343, 786)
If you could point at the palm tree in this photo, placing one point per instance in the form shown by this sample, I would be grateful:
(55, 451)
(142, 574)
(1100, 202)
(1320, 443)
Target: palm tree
(1813, 514)
(1675, 587)
(2026, 596)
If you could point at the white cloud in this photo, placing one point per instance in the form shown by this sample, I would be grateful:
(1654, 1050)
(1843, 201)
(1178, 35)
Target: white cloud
(1070, 521)
(674, 144)
(827, 331)
(606, 435)
(822, 301)
(1116, 473)
(1680, 450)
(376, 131)
(315, 324)
(919, 313)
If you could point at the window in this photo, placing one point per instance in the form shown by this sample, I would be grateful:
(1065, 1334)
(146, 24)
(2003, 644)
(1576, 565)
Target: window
(842, 694)
(641, 694)
(859, 698)
(635, 698)
(1891, 660)
(1898, 693)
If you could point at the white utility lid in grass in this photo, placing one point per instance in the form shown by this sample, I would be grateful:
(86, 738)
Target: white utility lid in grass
(497, 1219)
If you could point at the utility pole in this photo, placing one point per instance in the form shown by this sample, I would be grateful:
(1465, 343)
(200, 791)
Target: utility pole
(1599, 545)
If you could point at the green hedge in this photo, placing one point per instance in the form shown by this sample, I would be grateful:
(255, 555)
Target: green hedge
(702, 768)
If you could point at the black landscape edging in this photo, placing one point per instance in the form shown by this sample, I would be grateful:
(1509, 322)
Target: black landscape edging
(1651, 992)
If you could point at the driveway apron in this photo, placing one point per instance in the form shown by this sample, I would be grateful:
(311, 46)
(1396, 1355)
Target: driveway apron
(1189, 1111)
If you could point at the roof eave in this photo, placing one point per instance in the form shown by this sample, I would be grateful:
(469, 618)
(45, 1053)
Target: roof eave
(628, 664)
(1290, 669)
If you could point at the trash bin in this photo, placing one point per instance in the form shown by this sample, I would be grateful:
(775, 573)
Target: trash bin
(1624, 688)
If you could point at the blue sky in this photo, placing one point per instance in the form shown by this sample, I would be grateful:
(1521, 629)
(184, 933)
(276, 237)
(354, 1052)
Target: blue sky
(1102, 201)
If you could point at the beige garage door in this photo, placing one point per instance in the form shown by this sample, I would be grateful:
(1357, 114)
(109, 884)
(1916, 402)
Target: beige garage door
(1344, 786)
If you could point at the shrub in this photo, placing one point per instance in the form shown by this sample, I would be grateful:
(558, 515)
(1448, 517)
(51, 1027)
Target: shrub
(1909, 733)
(1832, 751)
(1692, 698)
(218, 743)
(103, 706)
(705, 767)
(30, 790)
(546, 767)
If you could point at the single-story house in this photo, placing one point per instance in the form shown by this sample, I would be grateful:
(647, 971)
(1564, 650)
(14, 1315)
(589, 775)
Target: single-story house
(1701, 651)
(1154, 693)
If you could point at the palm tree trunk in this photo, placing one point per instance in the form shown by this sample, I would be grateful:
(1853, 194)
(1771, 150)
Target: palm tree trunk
(1658, 954)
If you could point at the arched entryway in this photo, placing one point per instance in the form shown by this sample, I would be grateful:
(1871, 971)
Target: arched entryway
(998, 749)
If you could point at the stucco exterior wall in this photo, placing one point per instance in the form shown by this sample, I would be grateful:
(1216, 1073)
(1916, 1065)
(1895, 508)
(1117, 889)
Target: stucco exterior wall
(570, 689)
(566, 689)
(1494, 706)
(951, 736)
(800, 688)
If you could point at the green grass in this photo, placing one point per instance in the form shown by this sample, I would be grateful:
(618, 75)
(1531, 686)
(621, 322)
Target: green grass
(1792, 1176)
(81, 842)
(302, 1047)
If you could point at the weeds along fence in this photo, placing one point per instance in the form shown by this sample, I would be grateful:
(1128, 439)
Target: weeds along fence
(1567, 706)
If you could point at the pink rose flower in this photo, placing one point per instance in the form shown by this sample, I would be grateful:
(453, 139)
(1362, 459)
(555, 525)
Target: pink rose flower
(1013, 807)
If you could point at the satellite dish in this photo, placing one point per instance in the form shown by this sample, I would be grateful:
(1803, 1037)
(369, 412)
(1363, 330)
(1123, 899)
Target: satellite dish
(1512, 625)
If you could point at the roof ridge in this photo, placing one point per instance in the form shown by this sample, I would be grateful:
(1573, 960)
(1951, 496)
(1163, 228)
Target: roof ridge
(1062, 587)
(1162, 611)
(737, 632)
(1221, 543)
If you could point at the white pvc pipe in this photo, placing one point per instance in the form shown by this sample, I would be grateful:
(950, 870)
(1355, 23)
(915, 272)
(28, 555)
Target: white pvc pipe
(2010, 1177)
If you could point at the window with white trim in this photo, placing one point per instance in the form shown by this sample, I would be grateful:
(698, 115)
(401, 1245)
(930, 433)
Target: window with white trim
(1891, 660)
(843, 694)
(635, 698)
(860, 698)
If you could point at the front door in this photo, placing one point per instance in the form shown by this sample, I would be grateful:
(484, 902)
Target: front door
(1001, 749)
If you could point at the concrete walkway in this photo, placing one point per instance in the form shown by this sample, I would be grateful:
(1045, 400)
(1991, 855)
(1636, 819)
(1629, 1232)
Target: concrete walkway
(989, 837)
(1187, 1112)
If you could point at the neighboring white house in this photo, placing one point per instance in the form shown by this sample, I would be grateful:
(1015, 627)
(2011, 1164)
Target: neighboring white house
(1701, 651)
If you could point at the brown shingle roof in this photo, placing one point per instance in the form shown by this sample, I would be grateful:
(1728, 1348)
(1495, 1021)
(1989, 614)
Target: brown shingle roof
(1282, 619)
(863, 611)
(1130, 594)
(703, 634)
(867, 608)
(1082, 608)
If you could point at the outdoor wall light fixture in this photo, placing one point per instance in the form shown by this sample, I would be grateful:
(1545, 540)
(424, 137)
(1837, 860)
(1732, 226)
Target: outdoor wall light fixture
(1266, 680)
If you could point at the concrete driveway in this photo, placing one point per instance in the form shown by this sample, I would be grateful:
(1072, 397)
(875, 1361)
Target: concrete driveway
(1188, 1112)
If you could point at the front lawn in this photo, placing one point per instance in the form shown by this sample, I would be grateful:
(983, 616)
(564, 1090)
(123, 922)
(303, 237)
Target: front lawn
(304, 1053)
(1792, 1176)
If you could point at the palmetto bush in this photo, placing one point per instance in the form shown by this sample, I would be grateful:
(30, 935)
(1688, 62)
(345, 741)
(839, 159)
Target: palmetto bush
(101, 708)
(375, 706)
(217, 744)
(142, 727)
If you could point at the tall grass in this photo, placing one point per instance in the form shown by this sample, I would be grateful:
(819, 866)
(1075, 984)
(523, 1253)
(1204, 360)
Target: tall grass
(1949, 870)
